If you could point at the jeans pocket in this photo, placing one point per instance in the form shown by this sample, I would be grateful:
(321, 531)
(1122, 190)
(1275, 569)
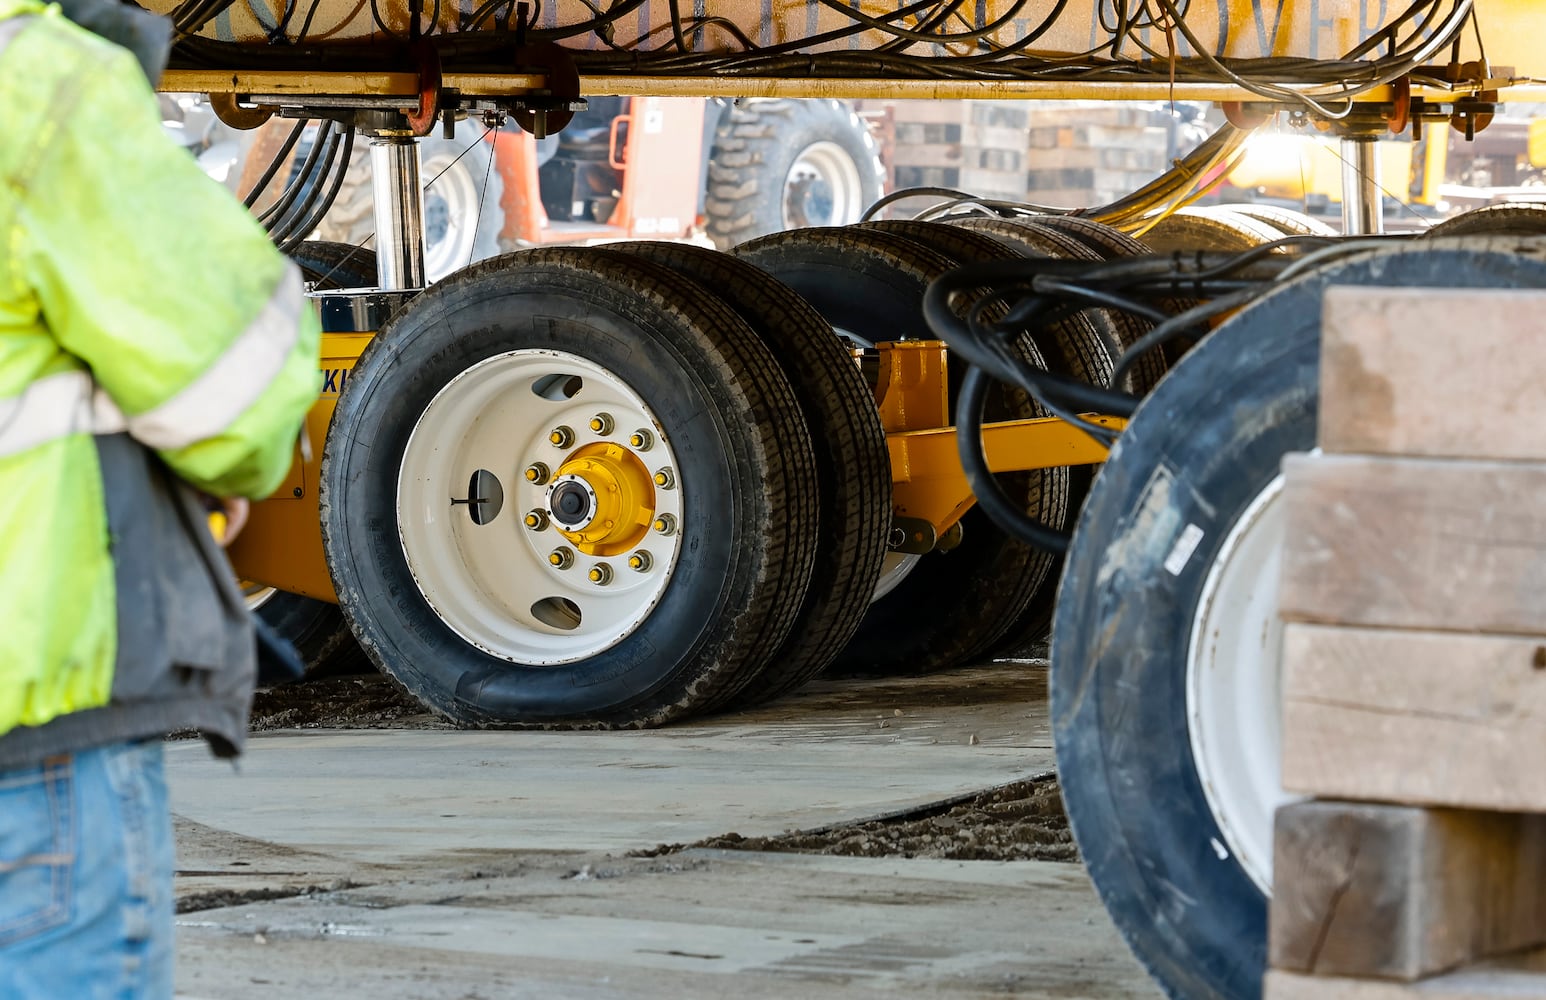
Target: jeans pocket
(37, 853)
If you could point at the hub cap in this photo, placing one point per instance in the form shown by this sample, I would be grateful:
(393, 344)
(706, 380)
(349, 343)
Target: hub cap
(548, 571)
(822, 188)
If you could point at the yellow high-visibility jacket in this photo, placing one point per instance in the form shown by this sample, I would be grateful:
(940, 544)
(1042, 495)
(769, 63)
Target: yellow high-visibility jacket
(146, 325)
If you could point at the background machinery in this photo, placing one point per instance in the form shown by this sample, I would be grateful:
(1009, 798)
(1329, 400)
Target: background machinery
(611, 486)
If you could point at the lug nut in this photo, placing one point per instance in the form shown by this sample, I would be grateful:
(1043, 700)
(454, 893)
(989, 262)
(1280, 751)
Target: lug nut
(640, 561)
(600, 574)
(602, 424)
(561, 558)
(537, 520)
(537, 473)
(641, 440)
(665, 524)
(665, 479)
(562, 437)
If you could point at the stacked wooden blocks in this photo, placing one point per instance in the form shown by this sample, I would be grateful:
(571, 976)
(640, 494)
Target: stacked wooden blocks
(1414, 687)
(972, 146)
(1092, 152)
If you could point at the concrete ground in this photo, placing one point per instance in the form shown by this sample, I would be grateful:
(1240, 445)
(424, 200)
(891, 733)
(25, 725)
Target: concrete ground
(435, 863)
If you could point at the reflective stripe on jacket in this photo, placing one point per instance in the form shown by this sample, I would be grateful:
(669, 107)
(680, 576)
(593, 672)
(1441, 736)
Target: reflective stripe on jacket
(138, 303)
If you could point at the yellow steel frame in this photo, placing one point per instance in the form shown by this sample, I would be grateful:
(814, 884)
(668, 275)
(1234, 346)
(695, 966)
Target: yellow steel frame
(927, 480)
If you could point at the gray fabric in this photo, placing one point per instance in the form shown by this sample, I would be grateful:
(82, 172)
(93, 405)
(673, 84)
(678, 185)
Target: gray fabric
(147, 36)
(187, 657)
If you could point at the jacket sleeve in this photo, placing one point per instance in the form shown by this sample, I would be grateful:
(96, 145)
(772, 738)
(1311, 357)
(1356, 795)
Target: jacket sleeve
(161, 282)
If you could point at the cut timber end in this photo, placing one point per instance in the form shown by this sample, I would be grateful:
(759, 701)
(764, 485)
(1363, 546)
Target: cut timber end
(1434, 372)
(1415, 543)
(1398, 892)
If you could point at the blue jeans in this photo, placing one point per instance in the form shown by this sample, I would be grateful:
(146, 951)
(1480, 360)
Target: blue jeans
(86, 877)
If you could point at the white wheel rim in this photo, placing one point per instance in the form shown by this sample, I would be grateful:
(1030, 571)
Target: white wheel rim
(822, 188)
(451, 211)
(896, 567)
(1234, 689)
(256, 595)
(493, 583)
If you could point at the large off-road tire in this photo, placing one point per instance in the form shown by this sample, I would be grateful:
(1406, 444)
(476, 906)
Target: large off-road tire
(463, 216)
(1165, 670)
(315, 628)
(853, 466)
(935, 610)
(779, 164)
(569, 487)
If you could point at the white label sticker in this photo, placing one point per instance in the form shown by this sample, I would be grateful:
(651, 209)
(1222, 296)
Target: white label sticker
(1183, 549)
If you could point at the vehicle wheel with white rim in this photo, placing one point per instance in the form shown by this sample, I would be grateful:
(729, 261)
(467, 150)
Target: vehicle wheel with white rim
(1165, 651)
(853, 465)
(779, 164)
(568, 487)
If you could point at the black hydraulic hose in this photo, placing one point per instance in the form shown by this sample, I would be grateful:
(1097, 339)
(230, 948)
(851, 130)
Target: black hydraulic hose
(1179, 324)
(322, 206)
(990, 495)
(1051, 389)
(273, 167)
(279, 211)
(286, 226)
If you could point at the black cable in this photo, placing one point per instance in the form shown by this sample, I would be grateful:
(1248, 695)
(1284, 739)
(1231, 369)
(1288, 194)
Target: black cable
(991, 497)
(273, 167)
(277, 212)
(323, 206)
(312, 183)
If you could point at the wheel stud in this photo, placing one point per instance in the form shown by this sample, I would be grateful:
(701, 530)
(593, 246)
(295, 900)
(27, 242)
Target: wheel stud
(641, 440)
(665, 524)
(537, 473)
(561, 558)
(602, 424)
(600, 574)
(562, 436)
(640, 561)
(665, 479)
(537, 520)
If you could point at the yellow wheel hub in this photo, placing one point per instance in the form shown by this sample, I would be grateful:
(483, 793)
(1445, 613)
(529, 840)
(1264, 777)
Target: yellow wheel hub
(624, 498)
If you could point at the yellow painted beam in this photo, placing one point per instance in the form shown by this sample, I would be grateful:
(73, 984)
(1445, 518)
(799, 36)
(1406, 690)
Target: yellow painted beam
(929, 483)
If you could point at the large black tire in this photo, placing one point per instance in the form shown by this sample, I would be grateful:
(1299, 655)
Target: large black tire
(1197, 456)
(870, 284)
(735, 557)
(315, 628)
(1191, 229)
(1286, 221)
(463, 190)
(779, 164)
(853, 467)
(1494, 220)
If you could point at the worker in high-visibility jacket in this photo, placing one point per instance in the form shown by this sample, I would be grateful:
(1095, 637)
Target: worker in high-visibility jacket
(150, 338)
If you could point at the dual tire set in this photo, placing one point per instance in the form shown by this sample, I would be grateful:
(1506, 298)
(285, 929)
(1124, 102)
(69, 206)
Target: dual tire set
(617, 486)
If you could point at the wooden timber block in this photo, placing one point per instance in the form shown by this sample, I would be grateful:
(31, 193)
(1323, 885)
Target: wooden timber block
(1432, 371)
(1428, 718)
(1415, 543)
(1515, 978)
(1400, 892)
